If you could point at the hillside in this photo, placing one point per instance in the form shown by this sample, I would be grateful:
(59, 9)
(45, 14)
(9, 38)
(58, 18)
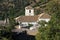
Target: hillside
(47, 24)
(14, 8)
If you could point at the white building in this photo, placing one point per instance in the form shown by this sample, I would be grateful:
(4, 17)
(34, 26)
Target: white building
(30, 18)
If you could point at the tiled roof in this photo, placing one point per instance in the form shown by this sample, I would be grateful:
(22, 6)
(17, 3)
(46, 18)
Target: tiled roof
(28, 7)
(45, 16)
(33, 18)
(28, 18)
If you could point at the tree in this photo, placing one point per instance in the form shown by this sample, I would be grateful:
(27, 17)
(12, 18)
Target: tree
(52, 30)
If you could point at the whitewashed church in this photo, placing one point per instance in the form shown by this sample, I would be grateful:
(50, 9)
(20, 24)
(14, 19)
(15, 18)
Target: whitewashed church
(31, 18)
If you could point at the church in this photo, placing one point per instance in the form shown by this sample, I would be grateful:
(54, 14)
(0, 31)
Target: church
(31, 18)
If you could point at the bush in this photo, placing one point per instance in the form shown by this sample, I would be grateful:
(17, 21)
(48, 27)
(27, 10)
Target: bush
(30, 25)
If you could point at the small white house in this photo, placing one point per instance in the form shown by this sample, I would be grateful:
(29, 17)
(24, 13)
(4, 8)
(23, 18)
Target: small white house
(30, 18)
(44, 16)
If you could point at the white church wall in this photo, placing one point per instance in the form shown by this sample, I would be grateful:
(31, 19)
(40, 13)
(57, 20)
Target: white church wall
(29, 22)
(32, 22)
(26, 23)
(44, 20)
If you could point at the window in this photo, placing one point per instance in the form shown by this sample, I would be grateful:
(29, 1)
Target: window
(29, 11)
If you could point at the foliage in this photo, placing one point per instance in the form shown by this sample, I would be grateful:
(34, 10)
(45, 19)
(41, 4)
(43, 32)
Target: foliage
(12, 8)
(42, 23)
(6, 32)
(52, 30)
(4, 39)
(30, 25)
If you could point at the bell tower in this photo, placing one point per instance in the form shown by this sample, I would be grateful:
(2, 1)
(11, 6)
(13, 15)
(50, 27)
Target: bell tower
(29, 11)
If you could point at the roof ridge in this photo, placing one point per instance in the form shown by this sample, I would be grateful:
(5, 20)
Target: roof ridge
(41, 14)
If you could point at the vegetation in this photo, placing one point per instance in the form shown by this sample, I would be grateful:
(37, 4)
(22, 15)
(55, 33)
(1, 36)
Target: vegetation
(13, 8)
(30, 25)
(52, 30)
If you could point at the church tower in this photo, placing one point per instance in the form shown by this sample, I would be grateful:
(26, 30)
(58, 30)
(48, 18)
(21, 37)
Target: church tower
(29, 11)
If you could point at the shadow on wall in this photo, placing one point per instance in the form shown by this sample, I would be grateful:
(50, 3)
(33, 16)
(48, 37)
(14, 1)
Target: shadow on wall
(22, 36)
